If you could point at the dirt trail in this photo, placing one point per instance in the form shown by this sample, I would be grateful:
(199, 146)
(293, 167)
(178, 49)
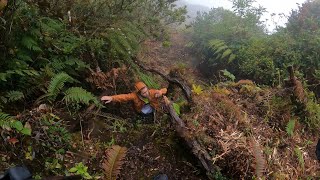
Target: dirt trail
(158, 149)
(155, 148)
(175, 57)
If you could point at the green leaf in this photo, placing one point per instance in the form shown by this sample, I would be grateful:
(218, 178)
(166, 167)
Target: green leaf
(72, 170)
(18, 125)
(26, 131)
(176, 108)
(290, 127)
(196, 89)
(58, 166)
(87, 176)
(229, 75)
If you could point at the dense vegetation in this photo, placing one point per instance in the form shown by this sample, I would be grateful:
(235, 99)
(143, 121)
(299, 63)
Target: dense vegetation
(237, 42)
(51, 52)
(58, 56)
(45, 44)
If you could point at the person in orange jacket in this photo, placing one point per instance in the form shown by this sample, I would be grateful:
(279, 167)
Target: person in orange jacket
(145, 100)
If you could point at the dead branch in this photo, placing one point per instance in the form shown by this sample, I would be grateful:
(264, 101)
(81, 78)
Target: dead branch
(197, 149)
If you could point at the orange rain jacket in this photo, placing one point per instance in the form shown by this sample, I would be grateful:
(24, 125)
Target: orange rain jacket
(138, 103)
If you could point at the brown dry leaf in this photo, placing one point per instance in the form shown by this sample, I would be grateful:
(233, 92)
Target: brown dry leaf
(13, 141)
(28, 126)
(112, 165)
(3, 4)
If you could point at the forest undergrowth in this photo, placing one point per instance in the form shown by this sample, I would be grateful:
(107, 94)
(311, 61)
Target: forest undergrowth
(253, 109)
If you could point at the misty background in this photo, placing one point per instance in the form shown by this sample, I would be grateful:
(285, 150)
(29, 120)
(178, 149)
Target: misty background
(280, 9)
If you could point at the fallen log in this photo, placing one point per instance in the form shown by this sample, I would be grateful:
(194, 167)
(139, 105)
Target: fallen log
(197, 149)
(173, 80)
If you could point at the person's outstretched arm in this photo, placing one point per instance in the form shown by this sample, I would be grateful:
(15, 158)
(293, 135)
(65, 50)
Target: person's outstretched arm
(161, 92)
(118, 98)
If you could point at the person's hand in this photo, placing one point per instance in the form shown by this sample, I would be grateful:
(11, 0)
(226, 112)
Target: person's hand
(107, 99)
(158, 94)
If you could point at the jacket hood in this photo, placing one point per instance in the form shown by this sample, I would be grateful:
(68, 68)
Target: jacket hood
(139, 85)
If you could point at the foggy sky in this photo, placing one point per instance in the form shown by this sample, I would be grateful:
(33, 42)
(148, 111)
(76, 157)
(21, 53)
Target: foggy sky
(272, 6)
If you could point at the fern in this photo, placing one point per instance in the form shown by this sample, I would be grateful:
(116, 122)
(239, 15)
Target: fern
(14, 96)
(290, 127)
(76, 63)
(259, 159)
(299, 154)
(50, 26)
(3, 100)
(80, 95)
(3, 76)
(226, 53)
(149, 81)
(232, 57)
(220, 50)
(68, 43)
(57, 65)
(57, 83)
(6, 120)
(6, 75)
(112, 165)
(30, 43)
(228, 74)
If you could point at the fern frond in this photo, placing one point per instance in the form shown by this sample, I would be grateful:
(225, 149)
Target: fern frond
(149, 81)
(30, 43)
(57, 83)
(79, 95)
(290, 127)
(215, 43)
(219, 49)
(259, 159)
(76, 63)
(14, 96)
(3, 99)
(231, 58)
(50, 26)
(5, 119)
(226, 53)
(112, 165)
(8, 121)
(57, 65)
(299, 154)
(228, 74)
